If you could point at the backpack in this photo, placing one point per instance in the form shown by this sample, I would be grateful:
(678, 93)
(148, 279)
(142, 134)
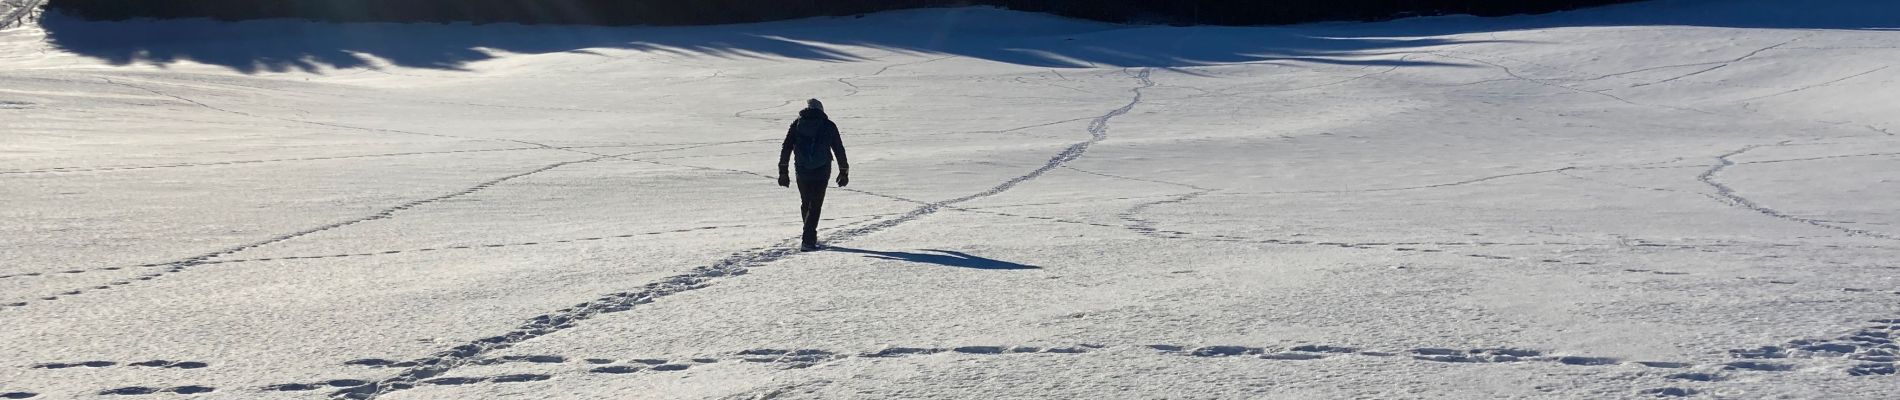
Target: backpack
(811, 146)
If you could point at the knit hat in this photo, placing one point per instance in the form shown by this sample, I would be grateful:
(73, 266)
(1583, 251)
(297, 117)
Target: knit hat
(814, 104)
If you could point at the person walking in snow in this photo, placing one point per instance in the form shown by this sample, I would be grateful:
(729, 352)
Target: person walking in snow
(812, 140)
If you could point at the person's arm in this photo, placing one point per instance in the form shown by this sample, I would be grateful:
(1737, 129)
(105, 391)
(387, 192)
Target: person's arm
(785, 156)
(837, 149)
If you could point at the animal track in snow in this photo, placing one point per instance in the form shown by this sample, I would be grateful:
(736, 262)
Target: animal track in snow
(1668, 392)
(143, 390)
(1694, 376)
(132, 390)
(782, 358)
(1728, 196)
(63, 273)
(511, 378)
(386, 213)
(1495, 355)
(1886, 368)
(1872, 346)
(804, 358)
(103, 364)
(734, 264)
(855, 89)
(361, 386)
(380, 363)
(535, 359)
(173, 268)
(790, 358)
(1149, 231)
(480, 246)
(1664, 364)
(1588, 360)
(528, 359)
(1758, 366)
(1147, 227)
(240, 162)
(616, 369)
(334, 383)
(87, 364)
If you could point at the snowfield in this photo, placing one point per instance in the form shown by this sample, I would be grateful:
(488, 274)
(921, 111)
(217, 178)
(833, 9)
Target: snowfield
(1676, 198)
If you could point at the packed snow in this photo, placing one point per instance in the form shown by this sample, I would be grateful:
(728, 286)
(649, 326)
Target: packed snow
(1672, 198)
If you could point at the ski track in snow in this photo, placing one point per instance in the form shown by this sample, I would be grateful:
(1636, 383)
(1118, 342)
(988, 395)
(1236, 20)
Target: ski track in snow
(701, 277)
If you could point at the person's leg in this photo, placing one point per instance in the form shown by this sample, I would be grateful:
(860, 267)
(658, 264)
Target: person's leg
(817, 206)
(805, 219)
(811, 195)
(804, 204)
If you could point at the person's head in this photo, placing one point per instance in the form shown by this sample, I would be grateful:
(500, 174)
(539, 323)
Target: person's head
(814, 104)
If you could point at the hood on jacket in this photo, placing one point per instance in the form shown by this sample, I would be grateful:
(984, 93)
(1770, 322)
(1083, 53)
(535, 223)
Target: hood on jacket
(816, 114)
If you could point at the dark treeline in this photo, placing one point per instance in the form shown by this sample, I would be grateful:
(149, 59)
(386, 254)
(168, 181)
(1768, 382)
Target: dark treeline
(701, 12)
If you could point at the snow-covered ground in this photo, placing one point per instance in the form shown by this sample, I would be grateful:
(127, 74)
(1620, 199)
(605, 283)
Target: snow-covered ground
(1689, 197)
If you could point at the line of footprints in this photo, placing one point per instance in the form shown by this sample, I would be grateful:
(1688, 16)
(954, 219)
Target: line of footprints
(1874, 352)
(130, 390)
(166, 268)
(1873, 349)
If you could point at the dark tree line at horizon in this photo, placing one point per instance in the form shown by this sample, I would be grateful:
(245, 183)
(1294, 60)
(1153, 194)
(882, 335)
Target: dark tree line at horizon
(703, 12)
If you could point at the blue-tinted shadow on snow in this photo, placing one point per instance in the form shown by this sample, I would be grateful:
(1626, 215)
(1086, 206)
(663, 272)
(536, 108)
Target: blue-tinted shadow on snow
(946, 258)
(1873, 15)
(981, 33)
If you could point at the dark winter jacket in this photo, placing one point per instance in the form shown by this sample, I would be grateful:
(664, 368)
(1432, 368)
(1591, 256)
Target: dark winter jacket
(812, 140)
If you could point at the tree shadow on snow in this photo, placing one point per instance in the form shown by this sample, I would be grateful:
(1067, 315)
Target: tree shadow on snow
(983, 33)
(940, 257)
(994, 35)
(1877, 15)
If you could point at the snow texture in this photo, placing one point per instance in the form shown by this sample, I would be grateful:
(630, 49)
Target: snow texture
(1689, 198)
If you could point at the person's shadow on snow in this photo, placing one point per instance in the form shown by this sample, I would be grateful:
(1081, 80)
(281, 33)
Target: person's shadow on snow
(939, 257)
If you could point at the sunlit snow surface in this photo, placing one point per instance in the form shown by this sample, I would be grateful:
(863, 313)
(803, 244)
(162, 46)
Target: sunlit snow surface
(1671, 198)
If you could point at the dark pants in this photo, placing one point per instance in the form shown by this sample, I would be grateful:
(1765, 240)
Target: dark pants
(811, 199)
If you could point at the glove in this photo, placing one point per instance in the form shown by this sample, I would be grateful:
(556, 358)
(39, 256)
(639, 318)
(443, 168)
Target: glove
(844, 177)
(784, 181)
